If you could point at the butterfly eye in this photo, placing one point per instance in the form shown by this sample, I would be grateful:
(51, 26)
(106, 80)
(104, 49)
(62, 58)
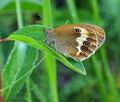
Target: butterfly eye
(86, 43)
(84, 48)
(77, 30)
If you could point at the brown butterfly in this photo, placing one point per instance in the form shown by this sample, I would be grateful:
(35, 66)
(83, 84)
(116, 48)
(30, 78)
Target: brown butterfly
(77, 41)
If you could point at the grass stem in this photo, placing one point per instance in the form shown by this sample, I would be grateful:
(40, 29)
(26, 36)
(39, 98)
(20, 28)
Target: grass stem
(109, 77)
(20, 25)
(101, 86)
(28, 89)
(19, 14)
(73, 10)
(100, 81)
(49, 62)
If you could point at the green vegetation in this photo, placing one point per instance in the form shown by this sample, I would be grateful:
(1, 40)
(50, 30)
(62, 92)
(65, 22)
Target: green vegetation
(32, 71)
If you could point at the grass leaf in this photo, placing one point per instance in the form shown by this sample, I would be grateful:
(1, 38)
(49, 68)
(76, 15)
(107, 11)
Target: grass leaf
(76, 66)
(16, 67)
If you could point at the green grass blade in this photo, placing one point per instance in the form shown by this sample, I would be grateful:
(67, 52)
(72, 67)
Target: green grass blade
(16, 64)
(23, 76)
(16, 68)
(94, 59)
(38, 92)
(73, 11)
(19, 14)
(28, 90)
(50, 65)
(100, 81)
(26, 5)
(110, 80)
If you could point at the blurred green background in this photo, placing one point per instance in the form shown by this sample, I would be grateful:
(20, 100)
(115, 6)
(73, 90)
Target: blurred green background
(52, 81)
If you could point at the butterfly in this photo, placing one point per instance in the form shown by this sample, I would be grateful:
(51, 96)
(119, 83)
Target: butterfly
(77, 41)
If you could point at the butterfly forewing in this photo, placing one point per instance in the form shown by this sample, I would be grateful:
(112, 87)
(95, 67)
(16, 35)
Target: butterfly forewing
(65, 40)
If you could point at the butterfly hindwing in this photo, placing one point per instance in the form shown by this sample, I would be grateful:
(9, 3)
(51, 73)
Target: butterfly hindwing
(87, 43)
(99, 31)
(78, 41)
